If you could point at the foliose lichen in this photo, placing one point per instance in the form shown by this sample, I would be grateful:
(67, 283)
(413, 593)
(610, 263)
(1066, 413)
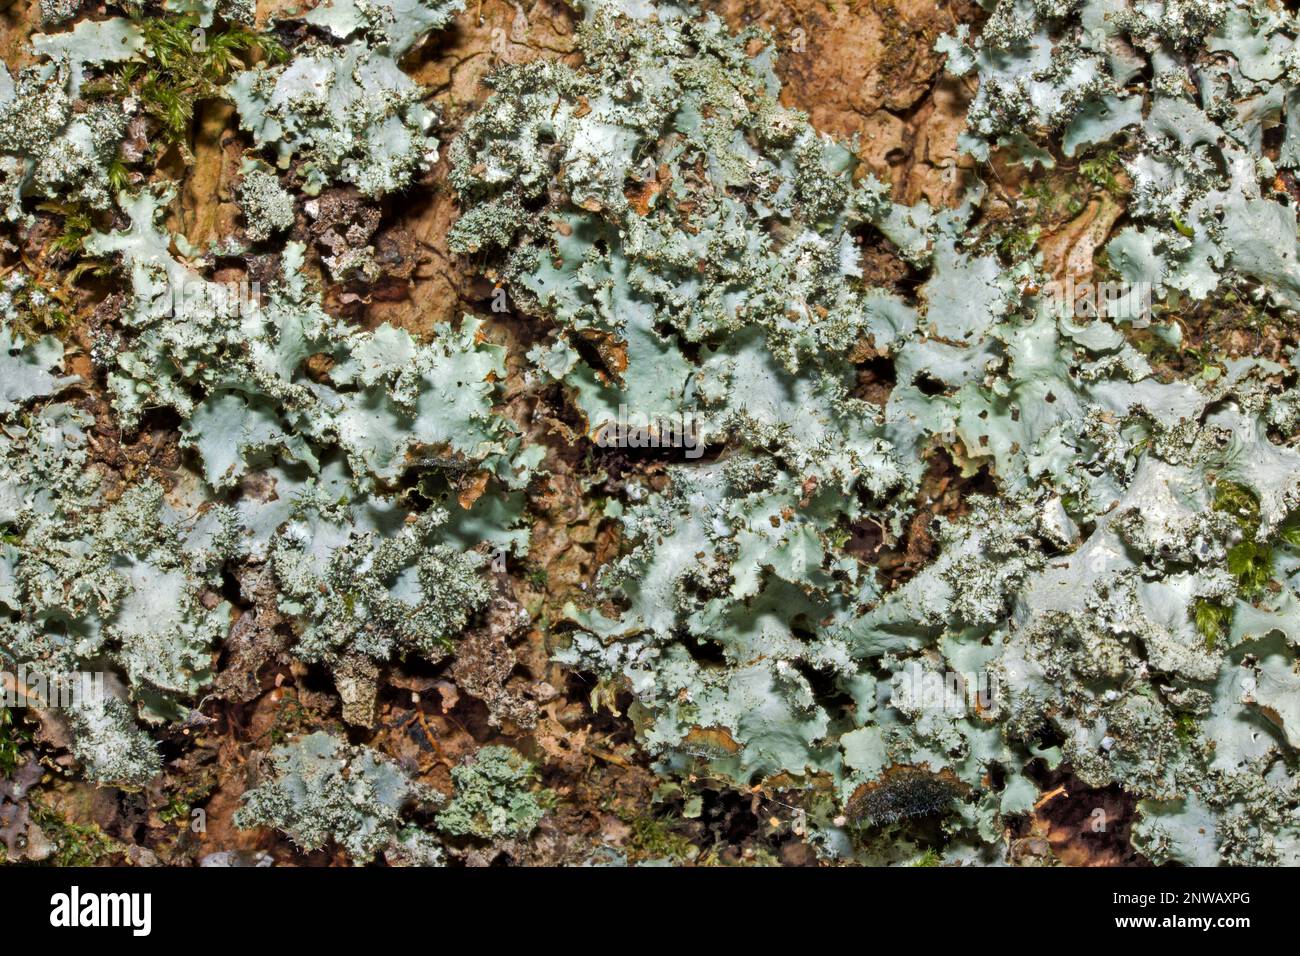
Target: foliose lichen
(495, 797)
(345, 107)
(698, 240)
(1117, 598)
(323, 789)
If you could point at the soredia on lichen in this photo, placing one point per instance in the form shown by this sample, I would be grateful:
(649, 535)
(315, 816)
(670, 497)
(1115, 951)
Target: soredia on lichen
(267, 206)
(887, 555)
(50, 146)
(400, 593)
(88, 584)
(323, 790)
(305, 460)
(494, 797)
(346, 109)
(692, 248)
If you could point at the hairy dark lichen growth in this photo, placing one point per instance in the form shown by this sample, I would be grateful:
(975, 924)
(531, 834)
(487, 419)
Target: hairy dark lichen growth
(902, 793)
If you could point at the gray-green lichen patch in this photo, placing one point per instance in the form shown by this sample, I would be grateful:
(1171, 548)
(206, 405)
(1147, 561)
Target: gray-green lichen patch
(307, 461)
(322, 789)
(697, 241)
(88, 586)
(346, 110)
(267, 206)
(680, 209)
(52, 144)
(290, 467)
(1119, 599)
(495, 797)
(235, 369)
(402, 593)
(1205, 203)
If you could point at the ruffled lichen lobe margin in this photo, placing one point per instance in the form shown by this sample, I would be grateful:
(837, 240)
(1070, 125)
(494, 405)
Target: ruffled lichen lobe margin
(778, 482)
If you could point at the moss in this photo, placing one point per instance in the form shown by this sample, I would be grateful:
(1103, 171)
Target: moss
(1017, 243)
(77, 226)
(40, 300)
(75, 844)
(1055, 199)
(538, 576)
(1289, 532)
(187, 64)
(1102, 170)
(1240, 502)
(653, 838)
(1251, 563)
(177, 808)
(13, 738)
(1249, 560)
(1211, 621)
(180, 805)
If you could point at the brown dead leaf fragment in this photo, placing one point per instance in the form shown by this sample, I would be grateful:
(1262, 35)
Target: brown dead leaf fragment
(1069, 251)
(711, 742)
(472, 488)
(641, 195)
(485, 666)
